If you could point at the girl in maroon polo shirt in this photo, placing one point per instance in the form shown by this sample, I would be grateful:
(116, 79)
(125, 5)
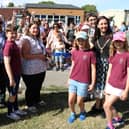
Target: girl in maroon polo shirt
(82, 75)
(117, 82)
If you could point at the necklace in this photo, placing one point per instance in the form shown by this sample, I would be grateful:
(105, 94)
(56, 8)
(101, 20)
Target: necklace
(102, 47)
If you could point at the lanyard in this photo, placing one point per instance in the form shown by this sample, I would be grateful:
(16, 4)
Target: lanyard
(41, 46)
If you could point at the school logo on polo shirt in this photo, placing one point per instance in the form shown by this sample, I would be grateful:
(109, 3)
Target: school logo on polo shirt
(84, 57)
(121, 60)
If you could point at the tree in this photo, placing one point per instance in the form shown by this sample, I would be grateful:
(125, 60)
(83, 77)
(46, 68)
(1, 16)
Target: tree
(10, 4)
(89, 8)
(46, 2)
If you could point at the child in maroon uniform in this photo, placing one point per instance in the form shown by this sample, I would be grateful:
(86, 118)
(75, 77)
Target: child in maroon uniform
(82, 75)
(117, 82)
(12, 64)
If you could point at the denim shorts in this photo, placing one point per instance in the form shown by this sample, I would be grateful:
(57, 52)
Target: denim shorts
(59, 59)
(81, 89)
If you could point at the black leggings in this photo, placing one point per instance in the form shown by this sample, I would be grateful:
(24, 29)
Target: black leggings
(33, 86)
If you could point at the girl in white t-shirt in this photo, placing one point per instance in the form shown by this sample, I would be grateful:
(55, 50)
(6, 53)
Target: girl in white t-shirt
(59, 50)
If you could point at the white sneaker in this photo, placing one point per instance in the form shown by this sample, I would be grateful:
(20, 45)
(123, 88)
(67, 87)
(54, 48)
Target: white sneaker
(13, 116)
(32, 109)
(20, 112)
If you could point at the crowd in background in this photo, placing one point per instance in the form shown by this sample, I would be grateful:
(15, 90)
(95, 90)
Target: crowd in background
(36, 46)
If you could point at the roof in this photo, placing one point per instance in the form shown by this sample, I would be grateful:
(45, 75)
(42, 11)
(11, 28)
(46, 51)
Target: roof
(54, 6)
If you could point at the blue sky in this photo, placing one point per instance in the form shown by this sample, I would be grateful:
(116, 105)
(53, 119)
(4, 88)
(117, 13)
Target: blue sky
(100, 4)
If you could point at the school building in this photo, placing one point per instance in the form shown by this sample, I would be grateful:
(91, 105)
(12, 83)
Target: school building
(51, 12)
(7, 12)
(57, 12)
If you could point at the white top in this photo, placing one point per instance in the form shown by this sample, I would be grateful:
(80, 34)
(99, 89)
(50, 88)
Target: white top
(34, 66)
(59, 47)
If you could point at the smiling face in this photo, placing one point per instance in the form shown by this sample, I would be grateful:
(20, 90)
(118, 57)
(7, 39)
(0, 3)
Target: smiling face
(92, 21)
(119, 45)
(103, 26)
(11, 35)
(81, 43)
(34, 30)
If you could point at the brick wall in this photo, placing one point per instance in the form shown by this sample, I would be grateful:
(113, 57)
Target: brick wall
(8, 12)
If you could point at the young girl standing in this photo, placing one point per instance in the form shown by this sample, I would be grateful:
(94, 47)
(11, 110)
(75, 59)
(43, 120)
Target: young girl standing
(117, 82)
(59, 49)
(82, 75)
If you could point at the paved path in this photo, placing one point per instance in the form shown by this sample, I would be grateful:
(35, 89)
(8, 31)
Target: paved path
(56, 78)
(53, 78)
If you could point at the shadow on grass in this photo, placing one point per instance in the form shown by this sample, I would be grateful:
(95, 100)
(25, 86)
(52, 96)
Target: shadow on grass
(55, 101)
(123, 107)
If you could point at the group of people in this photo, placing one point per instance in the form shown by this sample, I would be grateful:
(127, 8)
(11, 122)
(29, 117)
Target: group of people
(96, 55)
(27, 48)
(26, 58)
(99, 64)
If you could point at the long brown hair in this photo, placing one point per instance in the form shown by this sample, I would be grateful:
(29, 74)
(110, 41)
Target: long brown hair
(33, 23)
(112, 49)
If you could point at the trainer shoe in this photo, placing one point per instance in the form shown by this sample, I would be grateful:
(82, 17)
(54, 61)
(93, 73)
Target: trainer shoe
(32, 109)
(82, 116)
(20, 112)
(72, 118)
(13, 116)
(117, 122)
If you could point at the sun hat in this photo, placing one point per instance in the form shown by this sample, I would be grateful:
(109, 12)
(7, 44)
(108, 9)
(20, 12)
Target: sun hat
(82, 35)
(119, 36)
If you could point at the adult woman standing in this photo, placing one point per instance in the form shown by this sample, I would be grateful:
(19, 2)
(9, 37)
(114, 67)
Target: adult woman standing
(33, 65)
(52, 40)
(102, 41)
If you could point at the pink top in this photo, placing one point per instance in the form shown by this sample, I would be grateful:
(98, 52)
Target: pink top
(118, 75)
(82, 65)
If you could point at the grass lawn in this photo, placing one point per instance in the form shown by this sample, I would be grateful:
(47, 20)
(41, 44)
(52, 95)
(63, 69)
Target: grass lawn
(54, 115)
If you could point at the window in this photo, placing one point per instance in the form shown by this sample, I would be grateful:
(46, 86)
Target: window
(50, 18)
(62, 18)
(37, 16)
(56, 18)
(77, 19)
(43, 16)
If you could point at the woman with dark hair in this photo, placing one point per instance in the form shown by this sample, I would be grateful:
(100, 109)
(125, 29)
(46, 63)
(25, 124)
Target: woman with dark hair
(102, 40)
(52, 40)
(33, 65)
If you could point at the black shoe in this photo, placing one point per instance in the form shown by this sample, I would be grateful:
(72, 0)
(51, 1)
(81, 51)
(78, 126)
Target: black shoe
(94, 111)
(103, 115)
(57, 69)
(62, 69)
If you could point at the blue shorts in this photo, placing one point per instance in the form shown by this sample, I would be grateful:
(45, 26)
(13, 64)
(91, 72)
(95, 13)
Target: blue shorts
(81, 89)
(59, 59)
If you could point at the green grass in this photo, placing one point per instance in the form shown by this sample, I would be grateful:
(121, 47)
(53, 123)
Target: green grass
(55, 114)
